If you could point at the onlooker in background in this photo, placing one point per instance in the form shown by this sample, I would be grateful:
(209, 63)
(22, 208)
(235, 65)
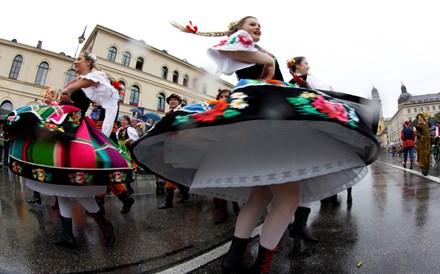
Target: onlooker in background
(423, 143)
(407, 136)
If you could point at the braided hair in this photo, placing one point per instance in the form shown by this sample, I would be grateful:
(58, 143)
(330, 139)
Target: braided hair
(233, 27)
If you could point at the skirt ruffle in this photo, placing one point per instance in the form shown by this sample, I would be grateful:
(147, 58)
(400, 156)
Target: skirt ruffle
(266, 133)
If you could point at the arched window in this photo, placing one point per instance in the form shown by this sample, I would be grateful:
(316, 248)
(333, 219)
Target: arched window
(126, 59)
(16, 66)
(43, 69)
(121, 96)
(161, 102)
(185, 80)
(70, 75)
(175, 76)
(5, 108)
(134, 95)
(139, 63)
(164, 72)
(184, 103)
(112, 54)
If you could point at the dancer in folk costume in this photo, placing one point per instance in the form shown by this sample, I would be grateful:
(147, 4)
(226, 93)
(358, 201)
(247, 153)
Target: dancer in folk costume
(270, 141)
(61, 153)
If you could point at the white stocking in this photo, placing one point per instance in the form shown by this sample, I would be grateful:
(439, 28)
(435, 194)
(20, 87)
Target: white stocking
(65, 205)
(89, 204)
(251, 211)
(286, 198)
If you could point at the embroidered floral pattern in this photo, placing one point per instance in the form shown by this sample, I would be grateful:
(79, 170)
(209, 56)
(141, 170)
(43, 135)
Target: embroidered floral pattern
(80, 178)
(116, 177)
(40, 175)
(310, 103)
(216, 109)
(238, 38)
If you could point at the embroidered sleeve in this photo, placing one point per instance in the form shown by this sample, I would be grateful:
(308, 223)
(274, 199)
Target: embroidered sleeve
(239, 41)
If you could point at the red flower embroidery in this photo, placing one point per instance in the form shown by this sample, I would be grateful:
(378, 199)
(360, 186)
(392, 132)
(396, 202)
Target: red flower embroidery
(212, 114)
(222, 43)
(244, 41)
(333, 110)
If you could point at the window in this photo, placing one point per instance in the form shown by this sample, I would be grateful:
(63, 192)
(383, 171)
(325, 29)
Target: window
(126, 59)
(415, 110)
(409, 110)
(134, 95)
(427, 108)
(139, 63)
(421, 109)
(43, 69)
(5, 108)
(112, 54)
(185, 80)
(164, 72)
(175, 76)
(184, 103)
(161, 102)
(70, 75)
(16, 66)
(433, 107)
(121, 95)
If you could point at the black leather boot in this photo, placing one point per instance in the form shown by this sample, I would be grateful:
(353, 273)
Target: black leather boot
(221, 211)
(36, 198)
(169, 196)
(55, 204)
(66, 239)
(184, 194)
(349, 197)
(299, 225)
(127, 202)
(160, 188)
(236, 208)
(263, 262)
(233, 261)
(105, 226)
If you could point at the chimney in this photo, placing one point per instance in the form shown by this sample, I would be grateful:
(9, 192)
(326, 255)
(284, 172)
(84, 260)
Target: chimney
(39, 44)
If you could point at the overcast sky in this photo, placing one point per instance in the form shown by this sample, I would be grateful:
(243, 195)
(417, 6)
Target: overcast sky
(350, 45)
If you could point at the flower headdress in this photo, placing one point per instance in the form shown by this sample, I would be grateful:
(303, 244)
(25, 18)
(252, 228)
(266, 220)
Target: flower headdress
(291, 62)
(92, 57)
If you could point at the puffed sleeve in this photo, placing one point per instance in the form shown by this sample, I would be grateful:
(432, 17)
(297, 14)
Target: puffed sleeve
(239, 41)
(105, 95)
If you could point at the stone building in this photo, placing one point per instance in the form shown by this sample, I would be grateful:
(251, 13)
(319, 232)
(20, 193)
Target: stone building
(408, 108)
(149, 74)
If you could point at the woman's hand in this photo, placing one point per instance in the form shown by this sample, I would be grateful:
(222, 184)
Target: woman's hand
(268, 72)
(65, 96)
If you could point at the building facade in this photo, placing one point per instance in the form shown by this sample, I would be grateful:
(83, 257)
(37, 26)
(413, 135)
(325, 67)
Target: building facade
(149, 74)
(408, 108)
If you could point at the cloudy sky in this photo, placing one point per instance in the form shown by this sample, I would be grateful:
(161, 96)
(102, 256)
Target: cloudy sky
(350, 45)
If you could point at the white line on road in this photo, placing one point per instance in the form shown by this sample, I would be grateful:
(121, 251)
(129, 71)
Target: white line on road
(432, 178)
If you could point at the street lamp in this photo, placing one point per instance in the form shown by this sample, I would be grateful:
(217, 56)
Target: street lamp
(81, 40)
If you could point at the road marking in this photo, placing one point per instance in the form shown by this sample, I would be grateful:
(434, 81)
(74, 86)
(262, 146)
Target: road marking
(432, 178)
(205, 258)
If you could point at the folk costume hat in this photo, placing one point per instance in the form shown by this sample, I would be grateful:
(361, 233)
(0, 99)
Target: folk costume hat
(174, 95)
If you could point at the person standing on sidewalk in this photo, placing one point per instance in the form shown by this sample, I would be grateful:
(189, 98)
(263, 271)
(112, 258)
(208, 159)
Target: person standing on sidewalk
(407, 135)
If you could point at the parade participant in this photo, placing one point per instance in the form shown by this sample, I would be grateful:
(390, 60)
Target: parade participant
(221, 206)
(407, 136)
(423, 143)
(270, 141)
(61, 153)
(174, 101)
(299, 69)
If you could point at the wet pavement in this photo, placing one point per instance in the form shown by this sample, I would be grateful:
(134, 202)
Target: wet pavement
(392, 226)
